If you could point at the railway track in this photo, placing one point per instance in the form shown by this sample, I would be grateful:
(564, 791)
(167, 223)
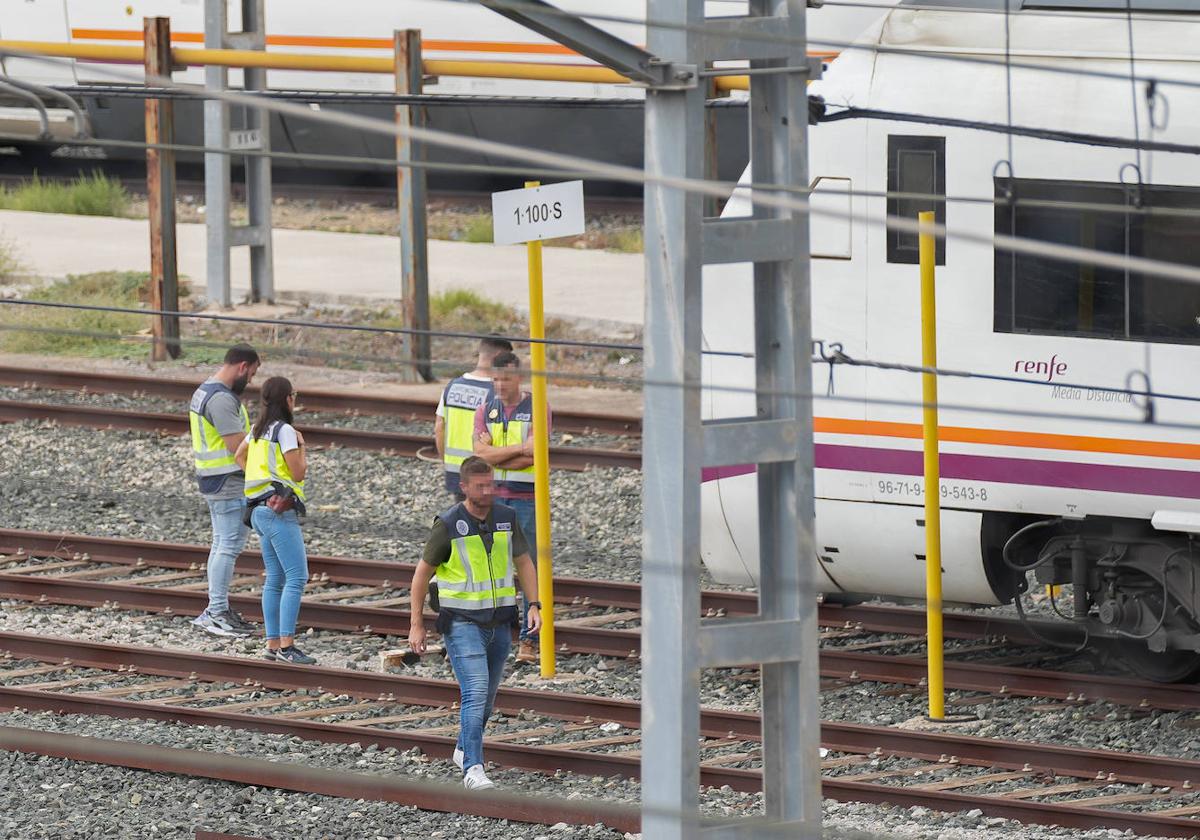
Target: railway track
(595, 617)
(549, 731)
(399, 443)
(313, 399)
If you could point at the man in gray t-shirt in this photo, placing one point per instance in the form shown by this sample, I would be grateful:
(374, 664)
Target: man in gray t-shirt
(219, 422)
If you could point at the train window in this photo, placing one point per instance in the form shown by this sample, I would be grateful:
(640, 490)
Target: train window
(1035, 294)
(916, 164)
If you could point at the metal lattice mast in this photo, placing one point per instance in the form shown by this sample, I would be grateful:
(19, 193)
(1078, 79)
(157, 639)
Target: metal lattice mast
(783, 637)
(254, 134)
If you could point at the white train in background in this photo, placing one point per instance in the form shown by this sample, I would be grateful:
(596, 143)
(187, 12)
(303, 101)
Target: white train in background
(1052, 477)
(609, 129)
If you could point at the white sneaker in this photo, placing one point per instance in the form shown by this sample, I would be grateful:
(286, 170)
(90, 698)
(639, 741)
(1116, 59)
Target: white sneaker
(458, 758)
(476, 780)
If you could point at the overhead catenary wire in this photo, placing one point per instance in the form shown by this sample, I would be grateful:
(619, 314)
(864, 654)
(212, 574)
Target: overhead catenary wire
(760, 194)
(635, 382)
(844, 46)
(366, 328)
(521, 172)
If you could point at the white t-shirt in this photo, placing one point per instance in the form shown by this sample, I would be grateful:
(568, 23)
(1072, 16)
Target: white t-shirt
(287, 438)
(441, 409)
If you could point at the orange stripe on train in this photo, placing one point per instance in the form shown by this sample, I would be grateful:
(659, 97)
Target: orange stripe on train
(1000, 437)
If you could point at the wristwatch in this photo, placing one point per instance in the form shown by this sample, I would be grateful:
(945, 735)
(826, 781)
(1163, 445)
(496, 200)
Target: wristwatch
(537, 604)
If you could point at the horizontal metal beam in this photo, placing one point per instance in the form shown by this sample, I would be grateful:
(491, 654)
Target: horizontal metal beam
(730, 443)
(586, 39)
(729, 642)
(748, 240)
(748, 38)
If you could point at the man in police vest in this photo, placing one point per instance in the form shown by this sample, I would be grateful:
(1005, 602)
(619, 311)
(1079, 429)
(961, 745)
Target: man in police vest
(504, 438)
(454, 425)
(473, 550)
(219, 422)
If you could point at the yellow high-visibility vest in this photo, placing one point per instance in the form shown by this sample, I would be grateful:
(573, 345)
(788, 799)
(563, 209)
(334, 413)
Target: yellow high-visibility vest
(460, 399)
(210, 454)
(511, 432)
(265, 464)
(475, 578)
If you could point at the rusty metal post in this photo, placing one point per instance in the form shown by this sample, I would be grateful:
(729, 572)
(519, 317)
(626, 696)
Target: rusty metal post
(411, 199)
(160, 195)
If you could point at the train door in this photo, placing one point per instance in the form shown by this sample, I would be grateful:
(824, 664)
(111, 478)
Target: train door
(36, 20)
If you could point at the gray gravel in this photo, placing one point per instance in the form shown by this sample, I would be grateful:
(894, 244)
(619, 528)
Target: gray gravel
(53, 798)
(345, 420)
(364, 504)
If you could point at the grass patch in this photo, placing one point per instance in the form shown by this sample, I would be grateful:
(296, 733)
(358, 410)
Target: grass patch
(478, 229)
(463, 308)
(626, 241)
(10, 263)
(87, 195)
(32, 329)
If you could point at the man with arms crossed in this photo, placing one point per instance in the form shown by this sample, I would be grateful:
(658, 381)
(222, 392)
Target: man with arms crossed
(504, 438)
(219, 423)
(473, 549)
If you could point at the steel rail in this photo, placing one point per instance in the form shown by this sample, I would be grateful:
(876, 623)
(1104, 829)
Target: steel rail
(601, 593)
(311, 399)
(561, 457)
(283, 775)
(347, 570)
(834, 663)
(432, 796)
(1130, 768)
(387, 621)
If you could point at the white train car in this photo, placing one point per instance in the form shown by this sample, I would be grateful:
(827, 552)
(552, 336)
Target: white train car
(1117, 499)
(609, 129)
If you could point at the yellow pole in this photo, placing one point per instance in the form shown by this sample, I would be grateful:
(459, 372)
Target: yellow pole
(933, 502)
(541, 453)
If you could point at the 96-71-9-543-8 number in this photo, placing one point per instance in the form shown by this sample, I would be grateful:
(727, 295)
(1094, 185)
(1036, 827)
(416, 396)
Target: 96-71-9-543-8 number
(533, 214)
(912, 487)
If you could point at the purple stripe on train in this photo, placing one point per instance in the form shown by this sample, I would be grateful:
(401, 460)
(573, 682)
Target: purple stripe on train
(1114, 478)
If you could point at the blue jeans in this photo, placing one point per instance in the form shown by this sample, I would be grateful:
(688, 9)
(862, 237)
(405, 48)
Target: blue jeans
(527, 518)
(477, 654)
(228, 540)
(287, 569)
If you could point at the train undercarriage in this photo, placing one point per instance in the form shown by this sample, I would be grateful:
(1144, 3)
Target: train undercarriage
(1124, 583)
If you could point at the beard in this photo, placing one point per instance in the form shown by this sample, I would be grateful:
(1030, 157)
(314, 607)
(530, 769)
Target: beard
(239, 385)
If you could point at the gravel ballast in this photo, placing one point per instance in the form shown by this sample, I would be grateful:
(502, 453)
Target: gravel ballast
(54, 798)
(363, 504)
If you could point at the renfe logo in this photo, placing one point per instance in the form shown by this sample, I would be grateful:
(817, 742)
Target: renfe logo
(1048, 369)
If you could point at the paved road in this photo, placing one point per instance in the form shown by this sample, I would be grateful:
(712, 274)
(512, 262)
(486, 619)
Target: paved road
(579, 284)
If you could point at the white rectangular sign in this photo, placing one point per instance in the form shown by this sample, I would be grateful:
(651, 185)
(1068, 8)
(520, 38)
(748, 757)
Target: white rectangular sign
(245, 140)
(534, 213)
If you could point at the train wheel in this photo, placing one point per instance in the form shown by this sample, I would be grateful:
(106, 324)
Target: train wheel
(1168, 667)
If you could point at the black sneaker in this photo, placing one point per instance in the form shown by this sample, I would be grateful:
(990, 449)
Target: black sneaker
(240, 624)
(294, 655)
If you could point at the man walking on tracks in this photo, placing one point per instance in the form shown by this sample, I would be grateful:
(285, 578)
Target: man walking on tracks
(219, 423)
(454, 426)
(473, 549)
(504, 438)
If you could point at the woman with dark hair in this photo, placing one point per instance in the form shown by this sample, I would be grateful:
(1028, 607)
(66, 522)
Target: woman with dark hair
(273, 457)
